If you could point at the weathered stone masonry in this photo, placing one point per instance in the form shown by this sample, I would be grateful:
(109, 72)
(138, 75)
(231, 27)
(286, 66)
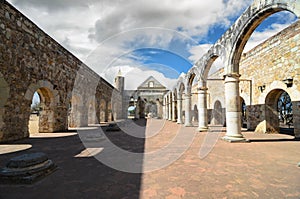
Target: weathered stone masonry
(30, 61)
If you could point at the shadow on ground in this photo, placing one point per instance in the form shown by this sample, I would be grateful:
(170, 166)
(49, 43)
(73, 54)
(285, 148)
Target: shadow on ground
(77, 177)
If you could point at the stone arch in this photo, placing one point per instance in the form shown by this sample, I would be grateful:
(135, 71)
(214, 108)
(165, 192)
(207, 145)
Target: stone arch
(248, 22)
(271, 112)
(293, 92)
(49, 100)
(206, 62)
(192, 75)
(4, 94)
(180, 82)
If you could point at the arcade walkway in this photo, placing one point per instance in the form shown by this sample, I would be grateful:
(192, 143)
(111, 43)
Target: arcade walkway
(266, 167)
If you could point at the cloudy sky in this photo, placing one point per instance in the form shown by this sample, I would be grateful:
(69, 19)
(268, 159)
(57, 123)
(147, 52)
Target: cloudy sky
(162, 38)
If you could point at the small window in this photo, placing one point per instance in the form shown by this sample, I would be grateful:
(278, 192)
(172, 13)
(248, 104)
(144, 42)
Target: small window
(151, 84)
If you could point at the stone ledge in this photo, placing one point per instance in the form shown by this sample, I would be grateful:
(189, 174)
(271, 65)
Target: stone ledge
(27, 169)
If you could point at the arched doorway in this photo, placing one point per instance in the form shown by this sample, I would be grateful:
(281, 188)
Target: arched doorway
(42, 112)
(217, 114)
(279, 112)
(35, 108)
(243, 113)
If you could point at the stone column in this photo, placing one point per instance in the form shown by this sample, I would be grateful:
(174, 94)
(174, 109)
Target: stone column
(106, 112)
(159, 110)
(83, 120)
(233, 111)
(187, 98)
(170, 106)
(179, 109)
(173, 107)
(202, 109)
(166, 108)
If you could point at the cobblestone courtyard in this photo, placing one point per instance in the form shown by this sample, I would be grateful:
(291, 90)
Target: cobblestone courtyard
(266, 167)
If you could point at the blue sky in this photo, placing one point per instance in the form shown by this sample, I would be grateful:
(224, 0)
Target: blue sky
(159, 38)
(156, 58)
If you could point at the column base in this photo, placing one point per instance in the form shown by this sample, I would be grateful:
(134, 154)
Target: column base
(202, 129)
(174, 120)
(234, 139)
(179, 122)
(188, 125)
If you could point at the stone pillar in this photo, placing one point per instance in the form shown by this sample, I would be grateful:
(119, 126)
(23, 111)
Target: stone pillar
(83, 120)
(159, 109)
(233, 111)
(187, 98)
(202, 109)
(106, 112)
(173, 107)
(166, 108)
(179, 109)
(170, 107)
(296, 117)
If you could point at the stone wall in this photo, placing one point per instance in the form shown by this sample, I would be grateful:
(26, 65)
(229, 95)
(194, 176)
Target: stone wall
(216, 98)
(30, 61)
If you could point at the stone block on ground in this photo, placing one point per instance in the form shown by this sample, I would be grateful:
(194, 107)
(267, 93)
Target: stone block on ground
(27, 169)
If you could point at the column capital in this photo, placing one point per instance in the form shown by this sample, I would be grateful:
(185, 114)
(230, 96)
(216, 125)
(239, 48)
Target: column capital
(187, 95)
(234, 75)
(202, 88)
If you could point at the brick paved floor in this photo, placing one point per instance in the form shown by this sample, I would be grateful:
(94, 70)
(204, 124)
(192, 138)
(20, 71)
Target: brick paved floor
(266, 167)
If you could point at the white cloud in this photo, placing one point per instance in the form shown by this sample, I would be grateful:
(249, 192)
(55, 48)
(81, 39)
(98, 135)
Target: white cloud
(198, 51)
(102, 30)
(136, 75)
(258, 37)
(80, 21)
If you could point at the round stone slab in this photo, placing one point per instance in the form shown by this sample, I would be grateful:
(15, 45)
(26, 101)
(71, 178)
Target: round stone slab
(27, 160)
(113, 127)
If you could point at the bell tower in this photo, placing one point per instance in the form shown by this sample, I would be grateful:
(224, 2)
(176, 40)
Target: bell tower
(119, 82)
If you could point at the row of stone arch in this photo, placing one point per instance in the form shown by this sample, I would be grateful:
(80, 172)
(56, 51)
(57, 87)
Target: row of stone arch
(229, 49)
(54, 117)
